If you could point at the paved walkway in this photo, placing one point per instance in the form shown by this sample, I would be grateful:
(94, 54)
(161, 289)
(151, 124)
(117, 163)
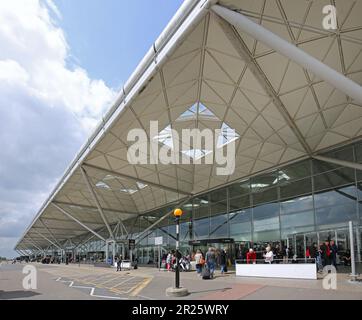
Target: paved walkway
(87, 282)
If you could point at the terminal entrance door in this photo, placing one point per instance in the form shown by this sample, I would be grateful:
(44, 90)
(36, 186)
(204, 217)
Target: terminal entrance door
(300, 242)
(227, 244)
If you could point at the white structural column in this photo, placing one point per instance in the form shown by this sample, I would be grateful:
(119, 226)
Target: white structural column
(343, 163)
(77, 221)
(94, 196)
(285, 48)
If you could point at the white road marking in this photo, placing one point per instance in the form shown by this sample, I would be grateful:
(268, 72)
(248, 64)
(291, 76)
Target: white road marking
(92, 289)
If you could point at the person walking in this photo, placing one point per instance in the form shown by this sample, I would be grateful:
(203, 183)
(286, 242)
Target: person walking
(119, 264)
(222, 261)
(168, 261)
(199, 259)
(210, 261)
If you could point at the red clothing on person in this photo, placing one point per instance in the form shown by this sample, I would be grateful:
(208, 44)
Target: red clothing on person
(250, 256)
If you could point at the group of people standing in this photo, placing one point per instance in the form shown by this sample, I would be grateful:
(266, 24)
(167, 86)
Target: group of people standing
(210, 260)
(325, 254)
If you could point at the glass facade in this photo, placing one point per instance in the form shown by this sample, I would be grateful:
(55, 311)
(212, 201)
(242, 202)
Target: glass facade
(306, 196)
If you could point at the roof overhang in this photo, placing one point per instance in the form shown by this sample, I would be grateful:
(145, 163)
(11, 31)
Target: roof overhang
(204, 72)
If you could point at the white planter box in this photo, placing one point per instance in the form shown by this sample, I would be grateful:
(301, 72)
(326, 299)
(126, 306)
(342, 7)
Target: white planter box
(288, 271)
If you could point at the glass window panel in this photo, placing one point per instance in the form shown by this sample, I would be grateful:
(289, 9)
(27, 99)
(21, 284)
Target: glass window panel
(342, 154)
(295, 171)
(359, 175)
(266, 224)
(239, 188)
(333, 179)
(322, 166)
(266, 236)
(240, 222)
(218, 226)
(201, 228)
(185, 231)
(346, 196)
(288, 232)
(266, 211)
(217, 208)
(292, 189)
(297, 220)
(336, 214)
(201, 208)
(239, 203)
(297, 204)
(262, 182)
(218, 195)
(242, 237)
(358, 151)
(265, 196)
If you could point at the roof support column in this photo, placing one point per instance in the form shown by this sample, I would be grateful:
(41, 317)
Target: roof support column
(94, 196)
(285, 48)
(51, 242)
(344, 163)
(34, 244)
(77, 221)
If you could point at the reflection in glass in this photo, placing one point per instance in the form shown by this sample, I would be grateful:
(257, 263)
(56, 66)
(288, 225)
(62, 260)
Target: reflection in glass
(296, 188)
(266, 211)
(336, 215)
(218, 226)
(296, 220)
(335, 178)
(201, 228)
(297, 204)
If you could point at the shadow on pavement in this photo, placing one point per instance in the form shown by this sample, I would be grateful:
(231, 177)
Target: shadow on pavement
(8, 295)
(211, 290)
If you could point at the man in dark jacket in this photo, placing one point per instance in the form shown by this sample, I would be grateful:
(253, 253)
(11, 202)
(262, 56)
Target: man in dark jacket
(222, 260)
(326, 252)
(313, 251)
(334, 252)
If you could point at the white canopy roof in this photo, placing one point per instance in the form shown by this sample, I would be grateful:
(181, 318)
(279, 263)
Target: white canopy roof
(195, 77)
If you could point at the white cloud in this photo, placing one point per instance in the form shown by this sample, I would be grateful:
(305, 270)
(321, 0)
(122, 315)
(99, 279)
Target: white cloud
(47, 109)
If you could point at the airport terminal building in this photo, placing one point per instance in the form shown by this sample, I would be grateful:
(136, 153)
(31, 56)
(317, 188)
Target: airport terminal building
(291, 90)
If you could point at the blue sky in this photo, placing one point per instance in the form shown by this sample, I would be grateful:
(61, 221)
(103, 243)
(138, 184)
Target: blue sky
(61, 64)
(109, 37)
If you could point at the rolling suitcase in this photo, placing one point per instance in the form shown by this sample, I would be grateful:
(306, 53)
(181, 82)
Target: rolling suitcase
(205, 274)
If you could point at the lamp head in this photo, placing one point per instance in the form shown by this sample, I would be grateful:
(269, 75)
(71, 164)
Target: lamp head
(177, 213)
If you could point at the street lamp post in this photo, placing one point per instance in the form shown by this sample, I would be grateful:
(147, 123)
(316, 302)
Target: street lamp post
(177, 214)
(177, 291)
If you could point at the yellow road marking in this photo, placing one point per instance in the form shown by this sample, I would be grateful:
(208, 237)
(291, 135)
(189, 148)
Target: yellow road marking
(140, 287)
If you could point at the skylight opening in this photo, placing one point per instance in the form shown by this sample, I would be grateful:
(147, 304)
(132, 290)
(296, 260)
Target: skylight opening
(102, 185)
(227, 136)
(196, 153)
(165, 137)
(141, 185)
(129, 191)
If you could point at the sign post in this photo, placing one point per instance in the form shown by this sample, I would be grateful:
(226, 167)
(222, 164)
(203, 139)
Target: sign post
(158, 243)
